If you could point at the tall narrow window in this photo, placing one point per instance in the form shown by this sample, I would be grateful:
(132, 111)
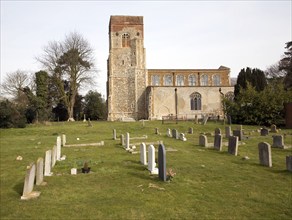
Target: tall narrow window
(180, 80)
(196, 101)
(155, 80)
(125, 40)
(216, 80)
(168, 80)
(204, 80)
(192, 80)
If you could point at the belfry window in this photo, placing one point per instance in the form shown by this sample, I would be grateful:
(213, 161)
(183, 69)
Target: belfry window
(180, 80)
(168, 80)
(192, 80)
(155, 80)
(196, 101)
(204, 80)
(216, 80)
(125, 40)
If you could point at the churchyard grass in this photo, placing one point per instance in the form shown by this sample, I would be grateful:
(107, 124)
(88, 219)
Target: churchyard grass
(208, 184)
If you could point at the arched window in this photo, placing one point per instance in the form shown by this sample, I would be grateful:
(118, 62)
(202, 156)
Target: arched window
(216, 80)
(229, 96)
(180, 80)
(196, 101)
(204, 80)
(125, 40)
(168, 80)
(155, 80)
(192, 80)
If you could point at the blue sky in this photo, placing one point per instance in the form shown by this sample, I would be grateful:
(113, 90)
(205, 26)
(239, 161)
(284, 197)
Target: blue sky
(178, 34)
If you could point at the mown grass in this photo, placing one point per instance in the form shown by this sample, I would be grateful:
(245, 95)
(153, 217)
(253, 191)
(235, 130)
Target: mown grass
(208, 185)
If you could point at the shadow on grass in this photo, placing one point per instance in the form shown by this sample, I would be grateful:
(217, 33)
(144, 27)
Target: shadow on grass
(18, 188)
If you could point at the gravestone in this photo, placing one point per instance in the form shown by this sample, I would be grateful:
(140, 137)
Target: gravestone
(151, 160)
(264, 132)
(54, 156)
(274, 129)
(114, 134)
(156, 131)
(84, 118)
(175, 134)
(58, 155)
(217, 131)
(122, 138)
(228, 131)
(265, 154)
(89, 123)
(196, 119)
(168, 132)
(40, 172)
(289, 163)
(143, 156)
(229, 121)
(28, 192)
(218, 142)
(63, 140)
(233, 145)
(278, 141)
(203, 141)
(127, 141)
(162, 162)
(205, 119)
(48, 163)
(182, 137)
(238, 133)
(191, 131)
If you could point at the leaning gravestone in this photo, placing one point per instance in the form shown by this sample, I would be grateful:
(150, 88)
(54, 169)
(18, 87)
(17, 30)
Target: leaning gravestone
(264, 132)
(203, 141)
(162, 162)
(143, 156)
(151, 160)
(29, 183)
(218, 142)
(265, 154)
(217, 131)
(58, 155)
(228, 132)
(40, 172)
(48, 163)
(233, 145)
(289, 163)
(114, 134)
(278, 141)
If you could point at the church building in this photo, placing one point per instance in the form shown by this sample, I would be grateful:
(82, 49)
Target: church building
(135, 92)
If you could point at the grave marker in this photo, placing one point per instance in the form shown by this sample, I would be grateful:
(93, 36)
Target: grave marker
(289, 163)
(203, 141)
(58, 155)
(156, 131)
(151, 160)
(54, 156)
(143, 156)
(264, 132)
(48, 163)
(114, 134)
(218, 142)
(122, 138)
(278, 141)
(274, 129)
(233, 145)
(191, 131)
(40, 172)
(238, 133)
(217, 131)
(265, 154)
(162, 162)
(228, 131)
(182, 137)
(127, 141)
(168, 132)
(63, 140)
(28, 192)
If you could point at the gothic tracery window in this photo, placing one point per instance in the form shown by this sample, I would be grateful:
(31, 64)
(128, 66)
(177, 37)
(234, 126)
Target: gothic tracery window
(155, 80)
(196, 101)
(180, 80)
(168, 80)
(192, 80)
(125, 40)
(204, 80)
(216, 80)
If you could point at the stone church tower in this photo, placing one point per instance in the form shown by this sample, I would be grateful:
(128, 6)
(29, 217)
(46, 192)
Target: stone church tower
(127, 74)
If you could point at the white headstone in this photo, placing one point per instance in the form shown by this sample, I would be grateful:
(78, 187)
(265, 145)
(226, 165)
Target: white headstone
(48, 163)
(29, 183)
(54, 156)
(58, 156)
(40, 172)
(64, 139)
(151, 160)
(168, 132)
(114, 134)
(73, 171)
(143, 156)
(127, 141)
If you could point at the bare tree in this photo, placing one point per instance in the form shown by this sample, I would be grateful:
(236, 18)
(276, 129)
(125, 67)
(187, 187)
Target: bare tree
(70, 64)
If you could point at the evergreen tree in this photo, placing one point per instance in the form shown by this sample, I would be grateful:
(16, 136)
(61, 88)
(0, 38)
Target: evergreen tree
(95, 106)
(286, 65)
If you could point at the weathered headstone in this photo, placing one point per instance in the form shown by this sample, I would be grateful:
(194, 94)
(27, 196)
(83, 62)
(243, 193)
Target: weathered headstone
(114, 134)
(228, 132)
(151, 160)
(175, 134)
(156, 131)
(127, 141)
(274, 129)
(238, 133)
(229, 121)
(264, 132)
(122, 138)
(205, 119)
(63, 140)
(58, 156)
(182, 137)
(84, 118)
(73, 171)
(40, 172)
(289, 163)
(217, 131)
(203, 141)
(191, 131)
(162, 162)
(233, 145)
(278, 141)
(218, 142)
(265, 154)
(28, 192)
(54, 156)
(196, 119)
(48, 163)
(143, 156)
(89, 123)
(168, 132)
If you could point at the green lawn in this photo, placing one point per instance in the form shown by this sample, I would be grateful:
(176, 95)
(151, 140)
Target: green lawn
(208, 184)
